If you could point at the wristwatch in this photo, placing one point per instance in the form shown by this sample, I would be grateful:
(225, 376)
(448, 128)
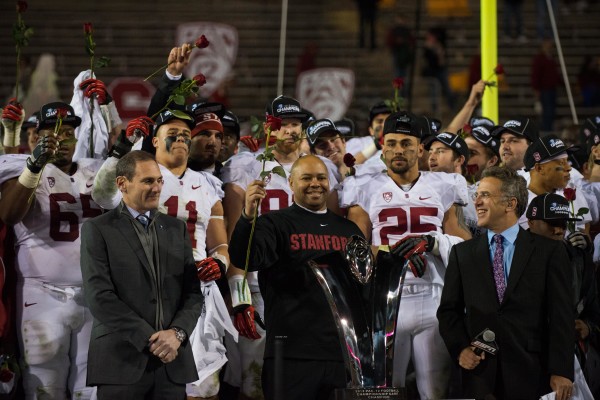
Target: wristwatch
(180, 334)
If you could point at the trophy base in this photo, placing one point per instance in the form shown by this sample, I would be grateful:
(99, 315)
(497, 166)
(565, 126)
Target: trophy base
(371, 394)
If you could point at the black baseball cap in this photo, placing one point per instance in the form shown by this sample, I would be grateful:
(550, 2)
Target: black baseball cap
(550, 206)
(429, 126)
(169, 115)
(483, 135)
(48, 115)
(577, 156)
(451, 140)
(231, 121)
(319, 127)
(590, 132)
(481, 121)
(345, 127)
(310, 117)
(32, 121)
(402, 122)
(378, 108)
(524, 127)
(286, 107)
(197, 109)
(543, 148)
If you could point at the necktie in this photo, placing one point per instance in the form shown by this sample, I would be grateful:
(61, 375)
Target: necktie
(143, 219)
(499, 267)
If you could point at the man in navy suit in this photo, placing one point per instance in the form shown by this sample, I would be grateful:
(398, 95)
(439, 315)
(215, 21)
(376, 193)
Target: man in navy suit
(517, 285)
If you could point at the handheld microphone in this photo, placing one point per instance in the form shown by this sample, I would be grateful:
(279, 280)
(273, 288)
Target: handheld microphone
(485, 341)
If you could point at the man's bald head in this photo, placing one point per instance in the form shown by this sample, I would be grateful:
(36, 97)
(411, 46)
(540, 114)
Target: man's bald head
(307, 160)
(309, 180)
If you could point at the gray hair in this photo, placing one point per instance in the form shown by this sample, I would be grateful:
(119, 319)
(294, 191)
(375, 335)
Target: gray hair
(513, 185)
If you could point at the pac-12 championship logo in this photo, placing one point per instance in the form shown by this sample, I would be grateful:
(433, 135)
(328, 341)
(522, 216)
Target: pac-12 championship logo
(387, 196)
(217, 60)
(326, 92)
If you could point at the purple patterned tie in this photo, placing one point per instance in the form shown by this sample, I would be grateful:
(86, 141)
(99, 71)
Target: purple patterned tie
(499, 267)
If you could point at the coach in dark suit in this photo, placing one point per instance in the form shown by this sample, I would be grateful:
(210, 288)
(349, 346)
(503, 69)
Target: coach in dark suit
(141, 286)
(519, 286)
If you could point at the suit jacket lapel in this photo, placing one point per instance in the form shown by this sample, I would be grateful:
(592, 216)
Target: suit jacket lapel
(130, 237)
(483, 266)
(523, 250)
(163, 240)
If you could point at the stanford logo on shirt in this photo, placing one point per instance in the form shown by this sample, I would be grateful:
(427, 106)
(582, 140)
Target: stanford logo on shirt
(267, 179)
(387, 196)
(51, 181)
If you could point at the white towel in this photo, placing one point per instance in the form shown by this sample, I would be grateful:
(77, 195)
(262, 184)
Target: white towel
(581, 391)
(207, 338)
(81, 106)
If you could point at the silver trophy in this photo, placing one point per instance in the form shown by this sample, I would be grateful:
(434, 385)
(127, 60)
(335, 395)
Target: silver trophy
(364, 299)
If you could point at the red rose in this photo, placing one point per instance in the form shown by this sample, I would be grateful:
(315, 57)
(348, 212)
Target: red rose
(349, 160)
(202, 42)
(87, 28)
(467, 128)
(21, 6)
(569, 194)
(200, 80)
(499, 70)
(398, 83)
(62, 113)
(6, 375)
(273, 123)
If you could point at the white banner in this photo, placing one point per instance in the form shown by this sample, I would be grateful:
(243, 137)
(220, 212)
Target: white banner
(215, 61)
(326, 92)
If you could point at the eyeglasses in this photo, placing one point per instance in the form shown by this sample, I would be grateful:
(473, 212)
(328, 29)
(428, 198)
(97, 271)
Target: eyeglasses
(483, 195)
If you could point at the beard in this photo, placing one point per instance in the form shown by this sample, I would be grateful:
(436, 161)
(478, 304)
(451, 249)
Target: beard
(285, 147)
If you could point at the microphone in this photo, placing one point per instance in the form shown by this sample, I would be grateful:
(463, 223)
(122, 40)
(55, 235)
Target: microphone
(485, 341)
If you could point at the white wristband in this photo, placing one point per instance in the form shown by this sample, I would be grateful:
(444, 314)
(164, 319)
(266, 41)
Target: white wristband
(11, 139)
(368, 151)
(239, 295)
(29, 179)
(221, 258)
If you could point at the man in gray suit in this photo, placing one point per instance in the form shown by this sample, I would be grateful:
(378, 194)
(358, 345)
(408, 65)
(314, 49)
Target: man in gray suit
(140, 281)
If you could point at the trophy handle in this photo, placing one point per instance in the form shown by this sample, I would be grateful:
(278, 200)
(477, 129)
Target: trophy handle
(388, 282)
(350, 318)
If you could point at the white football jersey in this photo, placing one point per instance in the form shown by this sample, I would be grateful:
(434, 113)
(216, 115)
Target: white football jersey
(469, 211)
(190, 199)
(396, 213)
(356, 144)
(48, 238)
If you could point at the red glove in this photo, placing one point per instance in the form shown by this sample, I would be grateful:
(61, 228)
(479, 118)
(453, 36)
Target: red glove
(411, 248)
(417, 264)
(244, 317)
(138, 127)
(410, 245)
(250, 142)
(209, 269)
(93, 86)
(13, 111)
